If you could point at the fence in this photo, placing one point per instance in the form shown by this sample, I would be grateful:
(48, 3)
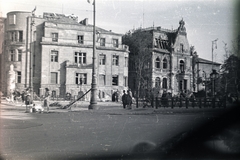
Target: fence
(185, 102)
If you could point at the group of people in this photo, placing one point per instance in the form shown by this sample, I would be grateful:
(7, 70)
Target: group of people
(26, 98)
(46, 99)
(127, 99)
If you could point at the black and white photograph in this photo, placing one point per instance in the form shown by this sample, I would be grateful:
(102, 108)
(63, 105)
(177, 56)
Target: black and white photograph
(119, 79)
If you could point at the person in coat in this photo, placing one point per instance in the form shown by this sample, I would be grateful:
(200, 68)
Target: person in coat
(124, 99)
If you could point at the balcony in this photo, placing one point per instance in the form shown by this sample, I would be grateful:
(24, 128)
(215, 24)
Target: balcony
(78, 65)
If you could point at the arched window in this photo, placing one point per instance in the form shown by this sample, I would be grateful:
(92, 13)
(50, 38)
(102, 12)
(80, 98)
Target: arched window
(157, 82)
(157, 63)
(182, 66)
(164, 63)
(164, 84)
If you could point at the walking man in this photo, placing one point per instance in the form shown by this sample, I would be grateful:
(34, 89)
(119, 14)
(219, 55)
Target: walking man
(124, 99)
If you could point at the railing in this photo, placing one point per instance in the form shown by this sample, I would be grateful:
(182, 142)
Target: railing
(185, 102)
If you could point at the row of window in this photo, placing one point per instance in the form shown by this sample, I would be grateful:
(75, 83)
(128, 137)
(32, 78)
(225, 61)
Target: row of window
(165, 63)
(163, 44)
(15, 36)
(158, 83)
(80, 39)
(81, 58)
(182, 83)
(81, 79)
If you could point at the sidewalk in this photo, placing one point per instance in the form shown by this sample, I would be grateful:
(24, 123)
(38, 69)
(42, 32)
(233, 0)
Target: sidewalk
(110, 108)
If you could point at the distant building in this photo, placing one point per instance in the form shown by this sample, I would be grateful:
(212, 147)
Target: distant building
(204, 68)
(61, 50)
(171, 64)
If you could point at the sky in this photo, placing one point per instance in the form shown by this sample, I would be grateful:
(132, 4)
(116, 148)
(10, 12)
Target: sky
(205, 20)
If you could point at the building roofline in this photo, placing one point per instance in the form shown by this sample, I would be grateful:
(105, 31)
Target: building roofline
(18, 12)
(201, 60)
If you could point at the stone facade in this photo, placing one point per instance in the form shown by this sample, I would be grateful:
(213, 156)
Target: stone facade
(61, 50)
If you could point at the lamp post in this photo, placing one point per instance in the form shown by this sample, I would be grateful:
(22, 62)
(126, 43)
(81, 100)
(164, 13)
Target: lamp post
(31, 54)
(214, 75)
(93, 101)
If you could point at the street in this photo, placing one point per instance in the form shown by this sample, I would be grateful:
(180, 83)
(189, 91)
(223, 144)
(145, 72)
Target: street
(71, 134)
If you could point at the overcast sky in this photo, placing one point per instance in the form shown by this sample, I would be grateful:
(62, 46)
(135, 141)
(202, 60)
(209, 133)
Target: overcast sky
(205, 20)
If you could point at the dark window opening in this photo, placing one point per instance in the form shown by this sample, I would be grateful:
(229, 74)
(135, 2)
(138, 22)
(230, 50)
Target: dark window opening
(80, 39)
(164, 85)
(115, 80)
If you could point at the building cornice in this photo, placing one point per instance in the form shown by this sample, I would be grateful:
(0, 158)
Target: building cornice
(84, 46)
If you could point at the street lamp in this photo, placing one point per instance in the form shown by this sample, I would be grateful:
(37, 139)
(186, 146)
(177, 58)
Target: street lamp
(93, 101)
(214, 75)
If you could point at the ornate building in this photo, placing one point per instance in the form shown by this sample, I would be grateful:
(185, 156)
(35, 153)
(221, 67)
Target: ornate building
(170, 66)
(60, 49)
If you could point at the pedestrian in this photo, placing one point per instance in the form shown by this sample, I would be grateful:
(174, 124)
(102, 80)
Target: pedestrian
(116, 96)
(129, 99)
(23, 96)
(124, 99)
(47, 99)
(28, 101)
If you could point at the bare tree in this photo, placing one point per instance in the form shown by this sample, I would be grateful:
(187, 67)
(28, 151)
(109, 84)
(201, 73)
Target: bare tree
(140, 60)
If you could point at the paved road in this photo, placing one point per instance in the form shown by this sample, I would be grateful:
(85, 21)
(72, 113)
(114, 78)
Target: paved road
(66, 134)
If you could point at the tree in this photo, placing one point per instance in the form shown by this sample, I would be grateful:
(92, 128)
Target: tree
(140, 59)
(230, 70)
(194, 55)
